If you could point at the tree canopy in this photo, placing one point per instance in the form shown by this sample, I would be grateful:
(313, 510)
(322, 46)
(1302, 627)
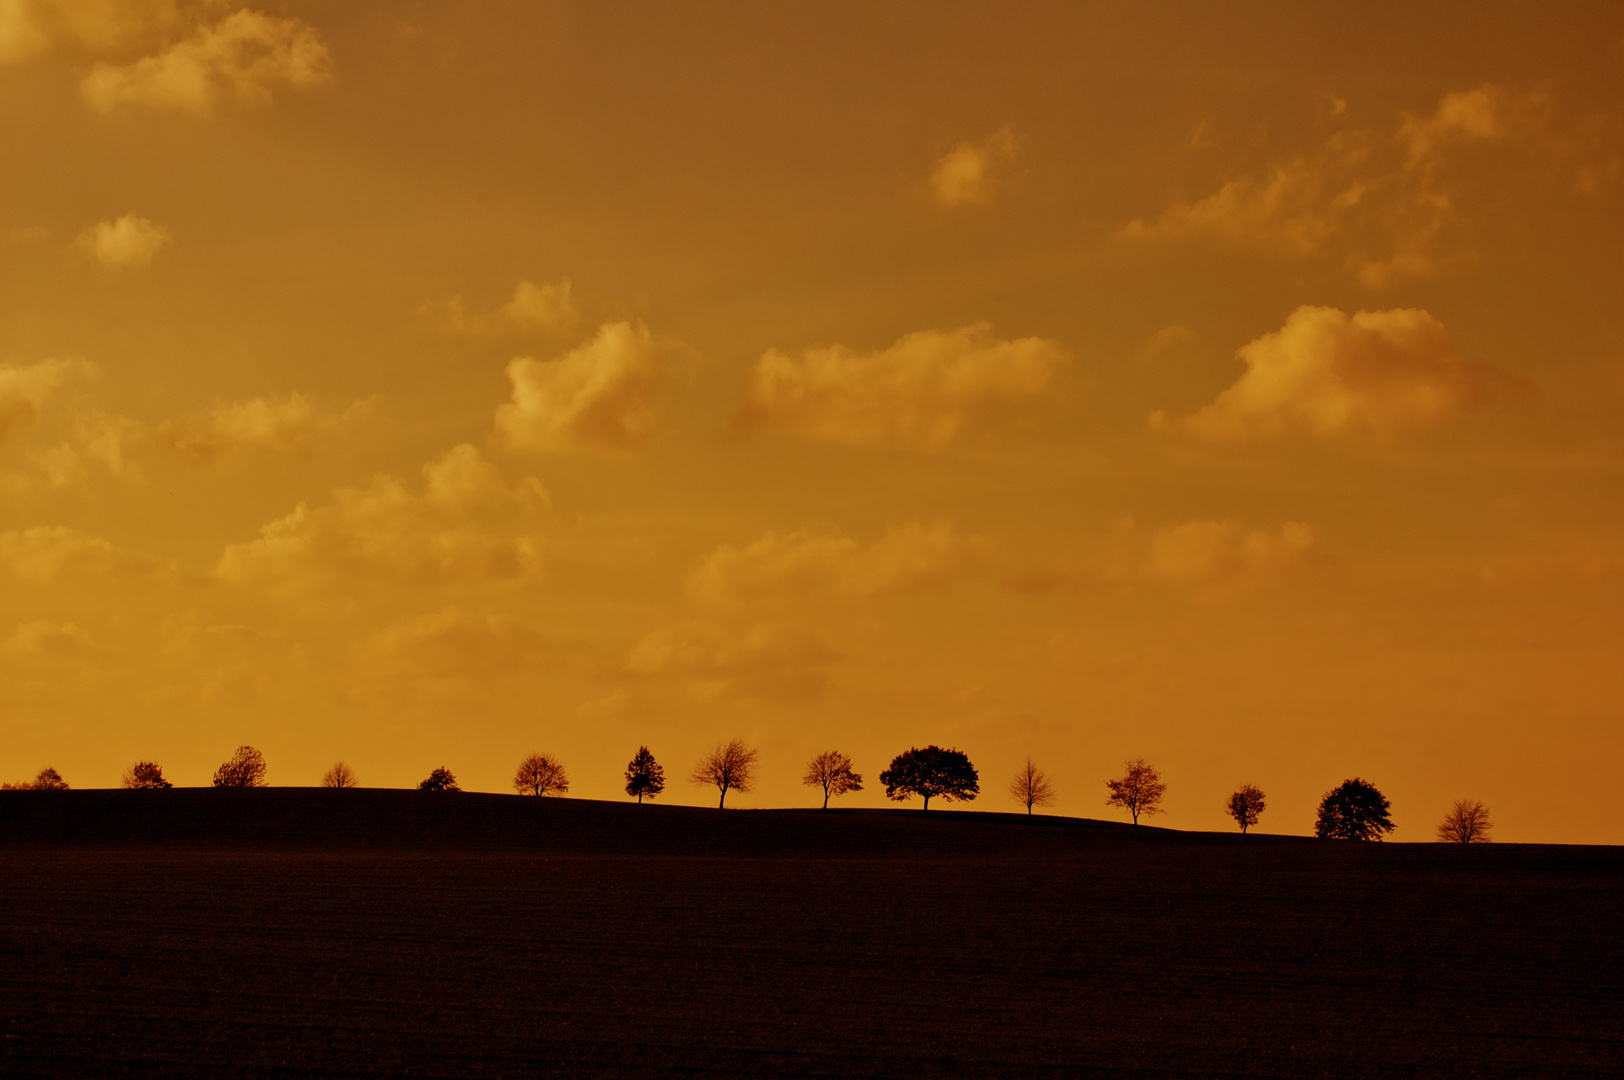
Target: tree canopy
(1031, 787)
(1138, 791)
(1245, 805)
(145, 774)
(439, 780)
(730, 767)
(644, 776)
(1466, 823)
(541, 774)
(244, 769)
(1353, 810)
(339, 776)
(833, 773)
(931, 771)
(49, 780)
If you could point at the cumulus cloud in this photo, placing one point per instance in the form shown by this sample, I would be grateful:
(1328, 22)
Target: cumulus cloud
(31, 27)
(766, 663)
(1326, 374)
(533, 309)
(124, 241)
(244, 57)
(50, 553)
(970, 172)
(1202, 552)
(908, 558)
(929, 391)
(233, 430)
(452, 532)
(598, 398)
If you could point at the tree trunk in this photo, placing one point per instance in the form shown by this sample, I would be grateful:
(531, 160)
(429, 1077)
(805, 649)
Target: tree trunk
(927, 802)
(723, 799)
(826, 798)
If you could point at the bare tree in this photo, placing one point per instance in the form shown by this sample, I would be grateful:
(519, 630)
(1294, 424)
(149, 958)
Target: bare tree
(339, 776)
(1245, 805)
(1466, 823)
(439, 780)
(644, 776)
(541, 774)
(730, 766)
(49, 780)
(832, 772)
(246, 768)
(145, 774)
(1138, 792)
(1031, 787)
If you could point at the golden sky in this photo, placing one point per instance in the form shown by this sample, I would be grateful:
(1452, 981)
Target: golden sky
(428, 384)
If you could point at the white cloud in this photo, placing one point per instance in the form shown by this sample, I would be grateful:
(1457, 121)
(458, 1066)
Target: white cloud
(908, 558)
(234, 430)
(31, 27)
(970, 172)
(766, 663)
(444, 651)
(533, 309)
(929, 391)
(25, 389)
(1200, 552)
(124, 241)
(43, 639)
(597, 398)
(50, 553)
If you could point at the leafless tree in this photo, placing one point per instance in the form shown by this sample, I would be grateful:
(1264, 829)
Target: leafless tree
(49, 780)
(246, 768)
(832, 772)
(1245, 805)
(1466, 823)
(729, 766)
(1138, 792)
(339, 776)
(145, 774)
(540, 774)
(1031, 787)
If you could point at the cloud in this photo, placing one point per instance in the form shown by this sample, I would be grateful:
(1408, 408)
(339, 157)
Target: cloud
(233, 430)
(599, 398)
(766, 663)
(243, 57)
(460, 529)
(29, 28)
(25, 389)
(970, 172)
(43, 639)
(533, 309)
(125, 241)
(908, 558)
(48, 553)
(929, 391)
(1202, 552)
(446, 649)
(1327, 375)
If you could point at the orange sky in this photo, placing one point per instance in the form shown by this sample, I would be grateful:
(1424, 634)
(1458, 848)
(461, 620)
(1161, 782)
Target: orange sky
(424, 384)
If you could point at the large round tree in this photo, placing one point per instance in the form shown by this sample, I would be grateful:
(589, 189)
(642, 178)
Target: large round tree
(928, 772)
(1353, 810)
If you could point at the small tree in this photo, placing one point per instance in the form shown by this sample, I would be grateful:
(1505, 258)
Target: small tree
(832, 772)
(244, 769)
(145, 774)
(1467, 823)
(439, 780)
(541, 774)
(1031, 787)
(1353, 810)
(49, 780)
(339, 776)
(644, 776)
(728, 766)
(931, 771)
(1245, 805)
(1139, 791)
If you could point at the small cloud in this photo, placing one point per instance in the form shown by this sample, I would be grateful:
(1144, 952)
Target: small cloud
(233, 430)
(1203, 552)
(26, 388)
(1169, 339)
(47, 640)
(125, 241)
(48, 553)
(766, 663)
(970, 172)
(533, 309)
(926, 393)
(908, 558)
(599, 398)
(450, 652)
(29, 28)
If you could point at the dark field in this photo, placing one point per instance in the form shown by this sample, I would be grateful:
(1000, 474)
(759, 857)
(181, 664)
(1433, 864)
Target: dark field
(290, 932)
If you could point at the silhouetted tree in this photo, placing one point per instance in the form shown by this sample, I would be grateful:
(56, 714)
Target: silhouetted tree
(145, 774)
(832, 772)
(1245, 805)
(245, 768)
(931, 771)
(339, 776)
(1031, 787)
(1353, 810)
(644, 776)
(439, 780)
(49, 780)
(1466, 823)
(728, 766)
(1139, 791)
(540, 774)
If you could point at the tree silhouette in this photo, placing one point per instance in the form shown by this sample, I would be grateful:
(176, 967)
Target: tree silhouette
(931, 771)
(1245, 805)
(541, 774)
(644, 776)
(832, 772)
(145, 774)
(339, 776)
(1031, 787)
(1466, 823)
(729, 766)
(1139, 791)
(439, 780)
(244, 769)
(49, 780)
(1353, 810)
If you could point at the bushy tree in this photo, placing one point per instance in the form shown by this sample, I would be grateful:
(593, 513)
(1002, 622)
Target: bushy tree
(439, 780)
(1466, 823)
(929, 772)
(244, 769)
(1245, 806)
(833, 773)
(1031, 787)
(1138, 791)
(339, 776)
(49, 780)
(541, 774)
(730, 767)
(145, 774)
(644, 776)
(1353, 810)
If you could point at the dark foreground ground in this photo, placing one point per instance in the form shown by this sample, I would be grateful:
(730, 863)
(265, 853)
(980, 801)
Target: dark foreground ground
(290, 932)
